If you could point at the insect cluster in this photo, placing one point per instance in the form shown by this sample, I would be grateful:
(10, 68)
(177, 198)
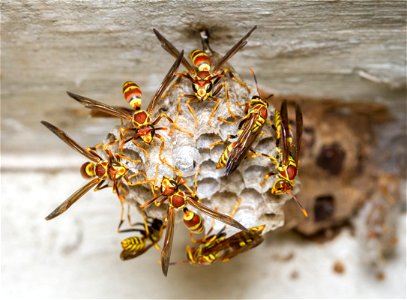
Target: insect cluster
(204, 147)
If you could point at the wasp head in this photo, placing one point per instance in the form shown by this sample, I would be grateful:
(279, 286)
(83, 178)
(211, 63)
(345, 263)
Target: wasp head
(202, 85)
(168, 186)
(281, 186)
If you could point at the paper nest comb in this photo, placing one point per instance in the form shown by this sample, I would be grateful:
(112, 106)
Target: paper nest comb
(216, 190)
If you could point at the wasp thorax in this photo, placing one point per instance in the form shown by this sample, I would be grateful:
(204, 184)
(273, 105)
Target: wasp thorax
(117, 171)
(141, 118)
(101, 169)
(291, 172)
(88, 170)
(132, 94)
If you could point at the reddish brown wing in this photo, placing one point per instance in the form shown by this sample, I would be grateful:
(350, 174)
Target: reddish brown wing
(99, 114)
(193, 201)
(242, 145)
(233, 251)
(239, 45)
(70, 142)
(233, 244)
(94, 105)
(169, 236)
(284, 133)
(298, 133)
(172, 50)
(73, 198)
(166, 81)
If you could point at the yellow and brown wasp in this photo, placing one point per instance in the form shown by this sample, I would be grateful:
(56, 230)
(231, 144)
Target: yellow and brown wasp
(142, 125)
(288, 151)
(136, 245)
(99, 170)
(248, 130)
(204, 76)
(218, 247)
(179, 199)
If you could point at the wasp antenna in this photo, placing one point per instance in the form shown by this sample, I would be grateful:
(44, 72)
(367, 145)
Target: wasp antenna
(255, 80)
(303, 210)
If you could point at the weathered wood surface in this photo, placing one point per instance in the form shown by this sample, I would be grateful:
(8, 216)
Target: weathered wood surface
(336, 49)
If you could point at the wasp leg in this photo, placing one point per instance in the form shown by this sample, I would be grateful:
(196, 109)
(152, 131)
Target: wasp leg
(231, 136)
(162, 159)
(121, 199)
(125, 157)
(235, 78)
(191, 110)
(225, 86)
(215, 108)
(147, 181)
(267, 176)
(141, 148)
(174, 124)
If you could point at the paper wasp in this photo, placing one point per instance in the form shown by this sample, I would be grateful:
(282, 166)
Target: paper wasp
(248, 130)
(99, 170)
(136, 245)
(204, 76)
(142, 125)
(220, 248)
(288, 152)
(179, 199)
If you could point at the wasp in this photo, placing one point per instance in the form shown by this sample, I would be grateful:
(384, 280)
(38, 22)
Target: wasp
(142, 125)
(98, 171)
(178, 199)
(288, 151)
(256, 113)
(218, 247)
(136, 245)
(204, 76)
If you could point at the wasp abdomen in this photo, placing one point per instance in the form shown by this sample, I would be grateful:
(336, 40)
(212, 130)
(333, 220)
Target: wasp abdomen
(132, 94)
(133, 243)
(193, 221)
(88, 170)
(201, 60)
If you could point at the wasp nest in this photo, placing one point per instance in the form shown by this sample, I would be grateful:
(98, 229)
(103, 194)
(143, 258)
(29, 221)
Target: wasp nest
(190, 154)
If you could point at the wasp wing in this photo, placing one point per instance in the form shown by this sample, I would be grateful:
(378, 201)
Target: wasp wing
(232, 51)
(192, 200)
(101, 107)
(298, 133)
(70, 142)
(166, 81)
(172, 50)
(284, 133)
(169, 236)
(236, 249)
(242, 145)
(73, 198)
(99, 114)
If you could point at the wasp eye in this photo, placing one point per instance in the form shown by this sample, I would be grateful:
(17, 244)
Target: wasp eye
(208, 87)
(195, 87)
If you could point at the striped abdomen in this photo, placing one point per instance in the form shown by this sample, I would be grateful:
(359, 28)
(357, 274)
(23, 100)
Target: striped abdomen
(132, 94)
(88, 170)
(224, 157)
(133, 243)
(201, 60)
(193, 221)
